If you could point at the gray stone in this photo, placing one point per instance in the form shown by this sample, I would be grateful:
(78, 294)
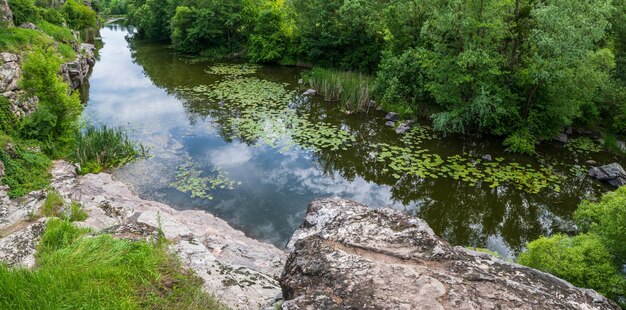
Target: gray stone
(392, 116)
(569, 131)
(390, 124)
(348, 256)
(6, 16)
(10, 72)
(561, 138)
(75, 72)
(613, 174)
(242, 272)
(621, 145)
(310, 92)
(29, 26)
(591, 162)
(379, 108)
(487, 157)
(402, 129)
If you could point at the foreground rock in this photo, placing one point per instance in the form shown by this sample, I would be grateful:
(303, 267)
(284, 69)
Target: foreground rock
(347, 256)
(613, 174)
(6, 16)
(239, 271)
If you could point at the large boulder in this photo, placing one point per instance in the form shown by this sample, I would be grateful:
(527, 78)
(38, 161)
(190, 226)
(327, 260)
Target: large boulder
(613, 174)
(6, 16)
(76, 72)
(348, 256)
(9, 72)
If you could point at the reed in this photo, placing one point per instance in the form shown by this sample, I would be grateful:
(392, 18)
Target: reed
(99, 147)
(352, 90)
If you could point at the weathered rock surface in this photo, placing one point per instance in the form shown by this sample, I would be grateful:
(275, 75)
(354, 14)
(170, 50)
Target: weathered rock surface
(243, 273)
(9, 72)
(310, 92)
(76, 72)
(613, 174)
(561, 138)
(347, 256)
(392, 116)
(29, 26)
(6, 16)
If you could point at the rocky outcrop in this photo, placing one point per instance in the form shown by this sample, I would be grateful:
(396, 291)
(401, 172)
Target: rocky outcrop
(347, 256)
(613, 174)
(243, 273)
(6, 16)
(75, 72)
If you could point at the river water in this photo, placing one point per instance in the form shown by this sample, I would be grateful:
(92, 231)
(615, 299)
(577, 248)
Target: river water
(144, 88)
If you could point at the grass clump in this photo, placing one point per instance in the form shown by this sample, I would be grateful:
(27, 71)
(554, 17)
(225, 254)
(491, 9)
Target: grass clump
(100, 272)
(53, 205)
(99, 147)
(353, 90)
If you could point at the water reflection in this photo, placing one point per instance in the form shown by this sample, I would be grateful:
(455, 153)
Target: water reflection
(135, 86)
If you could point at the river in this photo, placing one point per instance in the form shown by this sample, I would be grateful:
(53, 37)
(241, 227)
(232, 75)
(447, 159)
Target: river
(161, 99)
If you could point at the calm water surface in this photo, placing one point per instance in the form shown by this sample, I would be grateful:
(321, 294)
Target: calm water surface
(135, 85)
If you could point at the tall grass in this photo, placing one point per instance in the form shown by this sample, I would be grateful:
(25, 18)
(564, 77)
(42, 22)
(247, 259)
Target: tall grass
(100, 272)
(99, 147)
(352, 90)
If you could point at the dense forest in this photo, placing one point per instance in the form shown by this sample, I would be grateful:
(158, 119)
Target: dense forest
(522, 69)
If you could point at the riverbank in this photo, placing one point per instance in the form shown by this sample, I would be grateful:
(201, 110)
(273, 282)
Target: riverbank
(239, 271)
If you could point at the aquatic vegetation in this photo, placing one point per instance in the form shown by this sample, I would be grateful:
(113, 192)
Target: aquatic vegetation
(583, 145)
(233, 69)
(412, 159)
(190, 179)
(352, 90)
(99, 147)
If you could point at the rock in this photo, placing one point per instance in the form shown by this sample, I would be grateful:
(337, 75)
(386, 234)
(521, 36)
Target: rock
(390, 124)
(621, 145)
(372, 104)
(10, 72)
(391, 116)
(6, 16)
(591, 162)
(402, 129)
(613, 174)
(243, 273)
(310, 92)
(561, 138)
(29, 26)
(487, 157)
(569, 131)
(75, 72)
(348, 256)
(379, 108)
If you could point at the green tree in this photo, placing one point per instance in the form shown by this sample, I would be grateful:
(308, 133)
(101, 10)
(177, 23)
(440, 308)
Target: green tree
(78, 15)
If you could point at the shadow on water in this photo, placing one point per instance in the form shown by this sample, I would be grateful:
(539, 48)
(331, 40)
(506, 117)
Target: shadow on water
(139, 86)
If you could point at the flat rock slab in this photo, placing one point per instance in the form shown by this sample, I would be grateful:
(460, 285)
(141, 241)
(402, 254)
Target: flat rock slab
(241, 272)
(348, 256)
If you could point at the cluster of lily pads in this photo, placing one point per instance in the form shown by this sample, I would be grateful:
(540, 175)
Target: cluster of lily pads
(259, 111)
(583, 145)
(190, 179)
(233, 69)
(411, 159)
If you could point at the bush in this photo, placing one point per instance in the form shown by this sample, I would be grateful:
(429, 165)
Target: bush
(101, 147)
(268, 40)
(100, 272)
(582, 260)
(7, 118)
(78, 15)
(400, 84)
(24, 11)
(521, 142)
(607, 219)
(55, 121)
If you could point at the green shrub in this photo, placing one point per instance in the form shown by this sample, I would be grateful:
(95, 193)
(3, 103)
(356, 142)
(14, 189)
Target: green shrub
(521, 142)
(25, 170)
(607, 219)
(100, 272)
(77, 214)
(582, 260)
(55, 121)
(101, 147)
(352, 90)
(78, 15)
(400, 84)
(53, 16)
(24, 11)
(7, 118)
